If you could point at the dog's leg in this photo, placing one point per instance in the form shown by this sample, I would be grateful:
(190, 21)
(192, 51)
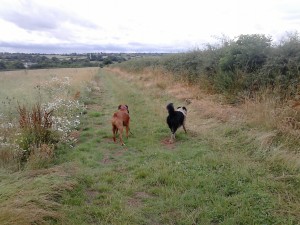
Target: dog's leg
(172, 138)
(115, 131)
(183, 125)
(121, 135)
(127, 130)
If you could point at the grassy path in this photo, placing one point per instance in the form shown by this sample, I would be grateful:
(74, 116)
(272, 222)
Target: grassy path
(149, 182)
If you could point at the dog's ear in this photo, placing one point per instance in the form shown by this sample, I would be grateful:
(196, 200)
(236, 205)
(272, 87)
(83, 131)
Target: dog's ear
(184, 108)
(126, 106)
(119, 107)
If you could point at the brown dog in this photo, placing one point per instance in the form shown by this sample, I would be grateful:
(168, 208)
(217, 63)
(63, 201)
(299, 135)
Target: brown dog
(120, 120)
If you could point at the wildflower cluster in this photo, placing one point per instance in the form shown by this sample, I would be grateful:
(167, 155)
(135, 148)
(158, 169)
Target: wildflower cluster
(66, 108)
(66, 117)
(7, 131)
(57, 87)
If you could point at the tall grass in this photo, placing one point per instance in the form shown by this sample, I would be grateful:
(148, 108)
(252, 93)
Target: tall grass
(35, 132)
(41, 108)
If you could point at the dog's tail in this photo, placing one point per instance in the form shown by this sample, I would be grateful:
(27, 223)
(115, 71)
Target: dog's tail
(170, 108)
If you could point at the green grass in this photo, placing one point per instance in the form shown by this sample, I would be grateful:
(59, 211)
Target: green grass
(197, 180)
(148, 182)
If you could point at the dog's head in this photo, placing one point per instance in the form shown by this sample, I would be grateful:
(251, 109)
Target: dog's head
(123, 108)
(182, 109)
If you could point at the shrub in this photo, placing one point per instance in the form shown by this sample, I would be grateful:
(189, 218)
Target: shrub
(283, 66)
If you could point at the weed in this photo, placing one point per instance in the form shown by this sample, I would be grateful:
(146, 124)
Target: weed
(35, 129)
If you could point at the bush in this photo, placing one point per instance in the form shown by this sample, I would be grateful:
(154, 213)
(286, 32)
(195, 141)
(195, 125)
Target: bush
(248, 53)
(283, 66)
(239, 67)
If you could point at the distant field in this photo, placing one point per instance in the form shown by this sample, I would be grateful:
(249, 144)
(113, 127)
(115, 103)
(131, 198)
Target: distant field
(23, 85)
(67, 57)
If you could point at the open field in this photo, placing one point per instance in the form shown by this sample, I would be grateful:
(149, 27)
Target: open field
(215, 174)
(24, 85)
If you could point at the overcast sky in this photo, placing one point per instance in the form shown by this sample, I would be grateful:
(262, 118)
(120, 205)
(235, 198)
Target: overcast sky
(66, 26)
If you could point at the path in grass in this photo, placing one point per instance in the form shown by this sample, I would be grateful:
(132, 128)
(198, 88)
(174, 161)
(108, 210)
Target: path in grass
(151, 182)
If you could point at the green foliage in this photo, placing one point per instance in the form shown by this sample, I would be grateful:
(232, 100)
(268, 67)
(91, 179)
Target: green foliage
(283, 66)
(15, 61)
(240, 66)
(13, 65)
(224, 81)
(187, 64)
(248, 53)
(137, 65)
(107, 61)
(2, 65)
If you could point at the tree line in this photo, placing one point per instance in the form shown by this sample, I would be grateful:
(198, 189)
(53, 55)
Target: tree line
(12, 61)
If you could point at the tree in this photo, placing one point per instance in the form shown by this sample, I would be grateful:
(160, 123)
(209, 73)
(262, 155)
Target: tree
(2, 65)
(107, 61)
(55, 59)
(18, 65)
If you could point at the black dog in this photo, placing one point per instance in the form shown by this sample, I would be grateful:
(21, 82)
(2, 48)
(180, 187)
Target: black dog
(176, 119)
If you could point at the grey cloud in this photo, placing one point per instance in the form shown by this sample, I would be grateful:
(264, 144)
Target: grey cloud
(84, 48)
(40, 18)
(31, 22)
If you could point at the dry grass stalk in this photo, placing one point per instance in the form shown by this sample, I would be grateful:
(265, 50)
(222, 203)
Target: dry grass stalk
(77, 95)
(36, 133)
(37, 119)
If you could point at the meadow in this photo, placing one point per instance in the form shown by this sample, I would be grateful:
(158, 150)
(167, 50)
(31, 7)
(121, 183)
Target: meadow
(30, 99)
(223, 171)
(24, 85)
